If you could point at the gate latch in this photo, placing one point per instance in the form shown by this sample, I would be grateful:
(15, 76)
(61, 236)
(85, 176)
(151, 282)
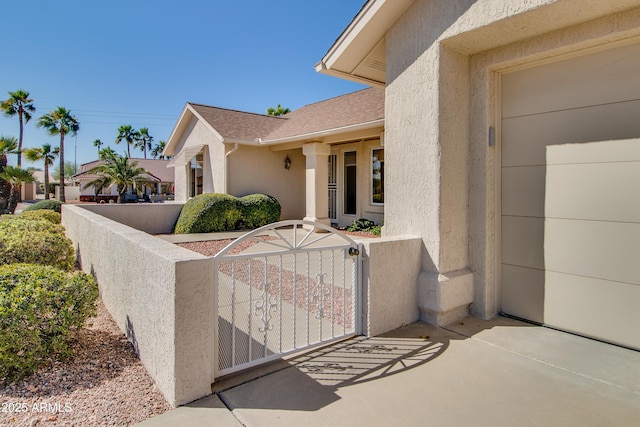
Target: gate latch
(354, 251)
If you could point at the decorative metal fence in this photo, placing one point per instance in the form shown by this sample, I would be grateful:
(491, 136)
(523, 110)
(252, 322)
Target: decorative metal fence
(282, 288)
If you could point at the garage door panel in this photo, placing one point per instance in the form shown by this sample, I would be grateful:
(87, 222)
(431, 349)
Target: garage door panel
(523, 191)
(526, 138)
(593, 307)
(524, 295)
(593, 191)
(570, 83)
(522, 241)
(618, 150)
(598, 249)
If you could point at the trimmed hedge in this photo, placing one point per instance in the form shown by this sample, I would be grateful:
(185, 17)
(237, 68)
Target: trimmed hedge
(35, 242)
(208, 213)
(40, 309)
(42, 214)
(52, 205)
(258, 210)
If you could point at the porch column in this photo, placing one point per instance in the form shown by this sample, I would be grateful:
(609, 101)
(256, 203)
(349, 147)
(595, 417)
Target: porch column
(317, 178)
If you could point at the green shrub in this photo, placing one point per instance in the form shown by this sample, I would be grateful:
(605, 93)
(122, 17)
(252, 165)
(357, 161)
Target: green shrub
(44, 214)
(258, 210)
(52, 205)
(40, 309)
(367, 225)
(208, 213)
(35, 242)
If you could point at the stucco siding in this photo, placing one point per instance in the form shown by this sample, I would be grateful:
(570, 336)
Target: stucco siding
(258, 170)
(159, 294)
(441, 61)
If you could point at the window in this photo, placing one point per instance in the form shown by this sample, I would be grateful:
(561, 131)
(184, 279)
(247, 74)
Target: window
(377, 176)
(350, 188)
(195, 175)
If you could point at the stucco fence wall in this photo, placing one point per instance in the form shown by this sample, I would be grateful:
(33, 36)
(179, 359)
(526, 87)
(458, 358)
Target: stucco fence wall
(161, 295)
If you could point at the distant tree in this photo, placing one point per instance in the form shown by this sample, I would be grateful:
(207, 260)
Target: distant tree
(97, 143)
(129, 135)
(8, 145)
(156, 153)
(47, 154)
(144, 140)
(19, 104)
(70, 169)
(60, 122)
(120, 171)
(106, 152)
(278, 111)
(15, 176)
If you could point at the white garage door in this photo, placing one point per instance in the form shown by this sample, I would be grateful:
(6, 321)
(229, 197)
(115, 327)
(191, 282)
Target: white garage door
(571, 195)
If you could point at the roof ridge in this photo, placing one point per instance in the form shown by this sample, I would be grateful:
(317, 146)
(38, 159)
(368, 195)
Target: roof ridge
(235, 111)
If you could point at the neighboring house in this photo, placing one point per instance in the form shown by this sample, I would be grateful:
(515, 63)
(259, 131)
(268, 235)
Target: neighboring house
(323, 162)
(512, 143)
(159, 174)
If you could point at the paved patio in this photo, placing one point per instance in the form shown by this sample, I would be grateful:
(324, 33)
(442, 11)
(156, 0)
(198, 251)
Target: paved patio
(500, 372)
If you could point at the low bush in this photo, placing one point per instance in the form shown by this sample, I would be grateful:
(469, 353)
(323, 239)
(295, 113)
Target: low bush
(208, 213)
(35, 242)
(367, 225)
(42, 214)
(258, 210)
(52, 205)
(40, 309)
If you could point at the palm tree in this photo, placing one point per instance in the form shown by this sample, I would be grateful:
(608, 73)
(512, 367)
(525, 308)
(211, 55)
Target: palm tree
(144, 140)
(15, 176)
(129, 135)
(106, 152)
(8, 145)
(120, 171)
(278, 111)
(48, 155)
(156, 153)
(98, 143)
(60, 122)
(21, 105)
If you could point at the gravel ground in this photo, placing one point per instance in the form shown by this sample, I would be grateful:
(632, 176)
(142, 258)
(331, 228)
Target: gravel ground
(103, 384)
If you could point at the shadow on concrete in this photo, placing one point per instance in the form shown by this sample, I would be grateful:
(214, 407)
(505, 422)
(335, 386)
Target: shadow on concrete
(311, 382)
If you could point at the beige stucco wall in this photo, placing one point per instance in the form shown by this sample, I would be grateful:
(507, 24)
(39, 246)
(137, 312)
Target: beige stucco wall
(152, 218)
(198, 133)
(440, 103)
(159, 294)
(258, 170)
(389, 264)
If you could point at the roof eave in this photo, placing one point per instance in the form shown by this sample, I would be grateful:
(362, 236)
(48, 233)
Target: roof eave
(324, 133)
(359, 39)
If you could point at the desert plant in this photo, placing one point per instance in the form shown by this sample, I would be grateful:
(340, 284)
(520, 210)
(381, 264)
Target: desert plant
(40, 309)
(208, 213)
(367, 225)
(258, 210)
(35, 242)
(42, 214)
(53, 205)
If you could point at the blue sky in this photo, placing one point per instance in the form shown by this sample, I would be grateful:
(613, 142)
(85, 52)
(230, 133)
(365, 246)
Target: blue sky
(138, 61)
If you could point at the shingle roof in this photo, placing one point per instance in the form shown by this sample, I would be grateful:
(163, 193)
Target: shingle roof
(363, 106)
(239, 125)
(355, 108)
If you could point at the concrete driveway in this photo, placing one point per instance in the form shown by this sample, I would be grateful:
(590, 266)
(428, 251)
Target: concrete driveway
(500, 372)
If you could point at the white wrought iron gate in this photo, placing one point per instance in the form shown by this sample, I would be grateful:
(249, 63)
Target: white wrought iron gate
(282, 288)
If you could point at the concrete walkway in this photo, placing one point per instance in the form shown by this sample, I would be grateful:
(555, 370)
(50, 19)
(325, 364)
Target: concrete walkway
(499, 373)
